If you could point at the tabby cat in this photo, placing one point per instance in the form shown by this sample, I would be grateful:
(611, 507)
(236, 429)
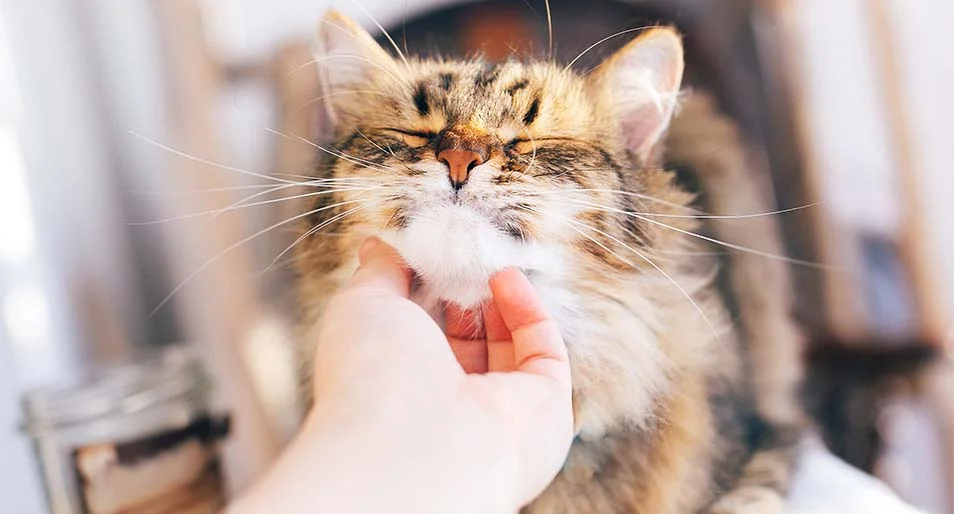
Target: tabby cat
(684, 368)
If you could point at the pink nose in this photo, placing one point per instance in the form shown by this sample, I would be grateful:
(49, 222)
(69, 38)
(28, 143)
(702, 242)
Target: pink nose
(459, 162)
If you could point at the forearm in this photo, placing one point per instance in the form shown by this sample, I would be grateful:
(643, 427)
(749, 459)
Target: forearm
(328, 469)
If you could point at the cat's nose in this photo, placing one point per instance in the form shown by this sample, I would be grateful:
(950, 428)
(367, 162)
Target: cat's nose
(459, 162)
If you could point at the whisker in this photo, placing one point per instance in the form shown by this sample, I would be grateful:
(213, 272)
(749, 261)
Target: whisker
(336, 93)
(341, 155)
(720, 242)
(386, 223)
(236, 245)
(203, 191)
(342, 184)
(320, 60)
(533, 10)
(369, 46)
(549, 31)
(404, 29)
(308, 233)
(241, 203)
(206, 161)
(311, 182)
(600, 42)
(649, 261)
(533, 156)
(384, 31)
(706, 216)
(385, 152)
(618, 192)
(216, 212)
(514, 51)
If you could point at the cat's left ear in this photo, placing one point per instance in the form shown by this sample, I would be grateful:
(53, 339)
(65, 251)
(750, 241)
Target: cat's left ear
(642, 80)
(348, 58)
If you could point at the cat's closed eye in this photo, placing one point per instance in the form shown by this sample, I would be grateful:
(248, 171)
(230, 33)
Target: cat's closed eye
(522, 146)
(412, 139)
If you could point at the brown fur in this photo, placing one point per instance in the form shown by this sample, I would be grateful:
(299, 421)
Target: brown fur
(678, 409)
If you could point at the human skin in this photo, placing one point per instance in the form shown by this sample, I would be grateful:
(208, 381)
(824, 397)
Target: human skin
(408, 418)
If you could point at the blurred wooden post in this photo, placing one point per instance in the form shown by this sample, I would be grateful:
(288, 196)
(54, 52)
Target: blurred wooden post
(920, 265)
(839, 312)
(219, 304)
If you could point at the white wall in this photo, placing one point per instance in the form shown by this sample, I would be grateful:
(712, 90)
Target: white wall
(926, 39)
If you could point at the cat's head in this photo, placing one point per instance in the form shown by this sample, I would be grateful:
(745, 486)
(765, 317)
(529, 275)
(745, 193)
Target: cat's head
(467, 167)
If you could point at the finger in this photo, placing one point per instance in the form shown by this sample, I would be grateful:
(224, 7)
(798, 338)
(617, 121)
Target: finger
(499, 344)
(381, 268)
(462, 324)
(471, 354)
(466, 338)
(538, 347)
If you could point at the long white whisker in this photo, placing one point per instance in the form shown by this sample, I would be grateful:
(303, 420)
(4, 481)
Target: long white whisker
(385, 32)
(310, 232)
(206, 161)
(534, 11)
(649, 261)
(385, 152)
(204, 191)
(216, 212)
(720, 242)
(240, 243)
(369, 46)
(404, 29)
(618, 192)
(703, 216)
(549, 31)
(345, 184)
(336, 93)
(241, 203)
(311, 182)
(533, 156)
(598, 43)
(341, 155)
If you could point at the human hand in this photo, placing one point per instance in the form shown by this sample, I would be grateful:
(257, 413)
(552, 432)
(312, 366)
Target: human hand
(408, 419)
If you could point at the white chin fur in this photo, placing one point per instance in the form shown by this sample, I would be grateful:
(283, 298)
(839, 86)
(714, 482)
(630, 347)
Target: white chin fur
(455, 251)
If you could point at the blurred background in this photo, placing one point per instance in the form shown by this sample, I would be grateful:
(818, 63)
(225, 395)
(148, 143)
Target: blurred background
(127, 127)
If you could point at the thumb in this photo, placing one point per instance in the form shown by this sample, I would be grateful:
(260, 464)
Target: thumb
(381, 269)
(538, 347)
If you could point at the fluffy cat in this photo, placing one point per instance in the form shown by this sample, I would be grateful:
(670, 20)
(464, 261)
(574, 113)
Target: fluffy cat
(467, 167)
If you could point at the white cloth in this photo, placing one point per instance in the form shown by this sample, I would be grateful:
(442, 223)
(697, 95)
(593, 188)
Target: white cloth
(823, 484)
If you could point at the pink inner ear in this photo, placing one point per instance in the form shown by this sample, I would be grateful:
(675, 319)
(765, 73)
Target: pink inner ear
(645, 82)
(642, 127)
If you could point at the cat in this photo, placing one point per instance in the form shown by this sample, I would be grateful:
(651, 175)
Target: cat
(684, 369)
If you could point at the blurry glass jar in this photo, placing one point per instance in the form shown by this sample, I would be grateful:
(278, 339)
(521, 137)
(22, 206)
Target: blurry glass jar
(132, 438)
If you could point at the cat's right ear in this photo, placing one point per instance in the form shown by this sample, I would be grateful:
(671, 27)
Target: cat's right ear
(643, 79)
(348, 58)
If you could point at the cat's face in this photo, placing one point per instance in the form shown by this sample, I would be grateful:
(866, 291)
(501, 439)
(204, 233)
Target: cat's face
(469, 167)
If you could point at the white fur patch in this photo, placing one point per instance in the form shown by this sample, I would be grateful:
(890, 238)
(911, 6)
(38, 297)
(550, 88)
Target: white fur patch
(455, 250)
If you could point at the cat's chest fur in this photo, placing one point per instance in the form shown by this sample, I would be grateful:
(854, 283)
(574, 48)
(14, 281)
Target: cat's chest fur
(627, 337)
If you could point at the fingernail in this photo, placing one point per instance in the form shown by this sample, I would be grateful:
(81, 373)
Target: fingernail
(505, 271)
(367, 247)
